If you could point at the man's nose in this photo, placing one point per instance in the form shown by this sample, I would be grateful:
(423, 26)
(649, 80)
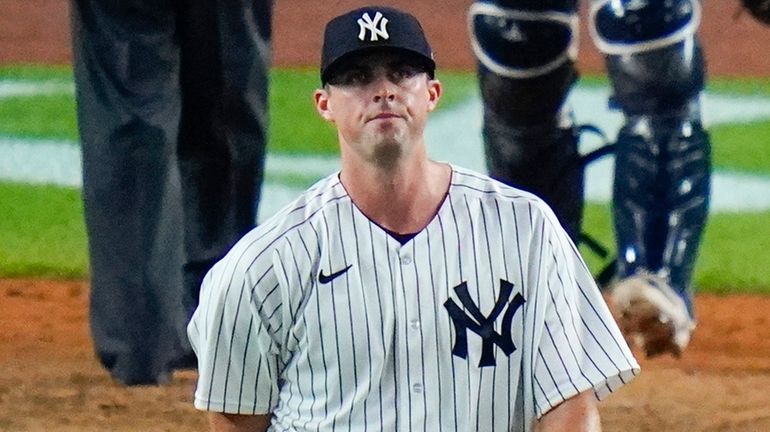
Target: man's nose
(384, 89)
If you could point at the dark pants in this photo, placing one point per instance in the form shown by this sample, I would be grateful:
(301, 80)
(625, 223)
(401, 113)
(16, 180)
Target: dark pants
(172, 111)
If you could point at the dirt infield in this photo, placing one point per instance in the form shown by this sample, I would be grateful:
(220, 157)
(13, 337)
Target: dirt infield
(50, 381)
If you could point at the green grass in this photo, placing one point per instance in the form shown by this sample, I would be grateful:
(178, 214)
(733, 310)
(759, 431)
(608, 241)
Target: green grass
(741, 86)
(742, 147)
(722, 85)
(51, 117)
(42, 232)
(295, 127)
(734, 256)
(34, 72)
(730, 259)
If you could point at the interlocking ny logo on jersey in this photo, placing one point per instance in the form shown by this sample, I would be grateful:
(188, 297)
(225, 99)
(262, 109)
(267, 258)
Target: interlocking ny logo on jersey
(367, 23)
(484, 326)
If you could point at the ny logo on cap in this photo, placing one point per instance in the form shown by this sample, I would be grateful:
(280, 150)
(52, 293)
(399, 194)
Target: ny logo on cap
(367, 23)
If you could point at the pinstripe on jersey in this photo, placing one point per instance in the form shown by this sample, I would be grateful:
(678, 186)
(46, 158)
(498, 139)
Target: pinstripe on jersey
(372, 350)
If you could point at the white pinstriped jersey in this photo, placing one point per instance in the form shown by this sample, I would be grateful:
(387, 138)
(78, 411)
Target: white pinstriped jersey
(483, 321)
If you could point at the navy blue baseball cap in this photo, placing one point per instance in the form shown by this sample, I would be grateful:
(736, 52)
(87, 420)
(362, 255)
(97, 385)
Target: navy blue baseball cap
(373, 27)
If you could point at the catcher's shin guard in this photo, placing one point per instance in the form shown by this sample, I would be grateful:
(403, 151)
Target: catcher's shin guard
(541, 158)
(662, 172)
(661, 197)
(526, 51)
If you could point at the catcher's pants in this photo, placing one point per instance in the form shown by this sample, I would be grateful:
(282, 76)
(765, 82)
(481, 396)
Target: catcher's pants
(172, 112)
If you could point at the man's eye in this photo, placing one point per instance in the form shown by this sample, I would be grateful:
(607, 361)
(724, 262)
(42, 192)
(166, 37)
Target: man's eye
(354, 77)
(403, 72)
(360, 77)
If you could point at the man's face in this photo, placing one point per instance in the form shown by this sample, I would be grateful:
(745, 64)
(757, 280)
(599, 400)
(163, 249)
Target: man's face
(379, 102)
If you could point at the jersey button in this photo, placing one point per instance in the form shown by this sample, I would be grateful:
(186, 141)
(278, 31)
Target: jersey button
(417, 388)
(406, 260)
(414, 324)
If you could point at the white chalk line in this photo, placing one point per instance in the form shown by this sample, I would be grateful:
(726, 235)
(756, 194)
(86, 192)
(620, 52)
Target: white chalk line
(453, 135)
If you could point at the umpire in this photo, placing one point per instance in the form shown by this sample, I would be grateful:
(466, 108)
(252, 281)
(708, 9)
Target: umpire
(172, 113)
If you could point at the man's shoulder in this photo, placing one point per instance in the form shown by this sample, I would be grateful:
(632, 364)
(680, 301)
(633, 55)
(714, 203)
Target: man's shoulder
(302, 212)
(475, 183)
(467, 183)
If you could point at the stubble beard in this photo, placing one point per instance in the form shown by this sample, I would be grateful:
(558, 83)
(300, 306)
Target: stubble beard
(387, 153)
(389, 148)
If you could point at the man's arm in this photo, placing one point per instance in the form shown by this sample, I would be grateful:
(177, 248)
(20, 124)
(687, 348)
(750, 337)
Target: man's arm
(221, 422)
(578, 413)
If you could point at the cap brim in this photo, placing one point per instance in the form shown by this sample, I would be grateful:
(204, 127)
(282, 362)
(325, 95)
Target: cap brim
(335, 64)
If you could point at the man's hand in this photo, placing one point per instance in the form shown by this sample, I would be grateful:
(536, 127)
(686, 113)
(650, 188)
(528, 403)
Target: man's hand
(577, 414)
(221, 422)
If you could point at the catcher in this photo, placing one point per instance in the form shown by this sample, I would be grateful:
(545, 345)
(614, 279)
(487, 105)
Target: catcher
(526, 51)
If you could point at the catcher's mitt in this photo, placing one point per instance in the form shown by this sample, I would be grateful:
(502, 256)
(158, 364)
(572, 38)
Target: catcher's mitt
(760, 9)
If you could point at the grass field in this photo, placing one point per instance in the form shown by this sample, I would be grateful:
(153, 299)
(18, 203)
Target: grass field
(42, 232)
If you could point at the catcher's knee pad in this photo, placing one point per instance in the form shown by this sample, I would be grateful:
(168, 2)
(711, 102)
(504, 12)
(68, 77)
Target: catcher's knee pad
(661, 197)
(526, 51)
(653, 57)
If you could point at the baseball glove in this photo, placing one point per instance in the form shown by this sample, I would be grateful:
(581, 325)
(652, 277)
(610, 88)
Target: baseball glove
(760, 9)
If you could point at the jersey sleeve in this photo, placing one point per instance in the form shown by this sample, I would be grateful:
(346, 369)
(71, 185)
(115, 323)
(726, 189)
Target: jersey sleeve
(577, 345)
(235, 332)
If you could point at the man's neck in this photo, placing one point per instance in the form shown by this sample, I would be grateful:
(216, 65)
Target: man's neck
(404, 197)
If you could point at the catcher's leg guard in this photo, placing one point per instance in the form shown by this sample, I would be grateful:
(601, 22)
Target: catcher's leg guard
(662, 172)
(661, 198)
(526, 51)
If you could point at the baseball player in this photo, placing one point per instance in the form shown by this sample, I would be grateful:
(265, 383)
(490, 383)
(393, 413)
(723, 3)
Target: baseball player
(402, 293)
(526, 51)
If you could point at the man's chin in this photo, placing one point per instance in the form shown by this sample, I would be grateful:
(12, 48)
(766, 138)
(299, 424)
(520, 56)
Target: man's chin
(388, 151)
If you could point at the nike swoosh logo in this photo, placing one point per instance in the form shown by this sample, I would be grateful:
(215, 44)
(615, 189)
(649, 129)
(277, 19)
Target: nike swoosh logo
(325, 279)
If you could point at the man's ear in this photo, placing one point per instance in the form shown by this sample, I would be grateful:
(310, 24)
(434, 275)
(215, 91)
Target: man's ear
(434, 93)
(321, 98)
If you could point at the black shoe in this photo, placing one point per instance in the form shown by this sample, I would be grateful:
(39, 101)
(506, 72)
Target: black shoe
(186, 361)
